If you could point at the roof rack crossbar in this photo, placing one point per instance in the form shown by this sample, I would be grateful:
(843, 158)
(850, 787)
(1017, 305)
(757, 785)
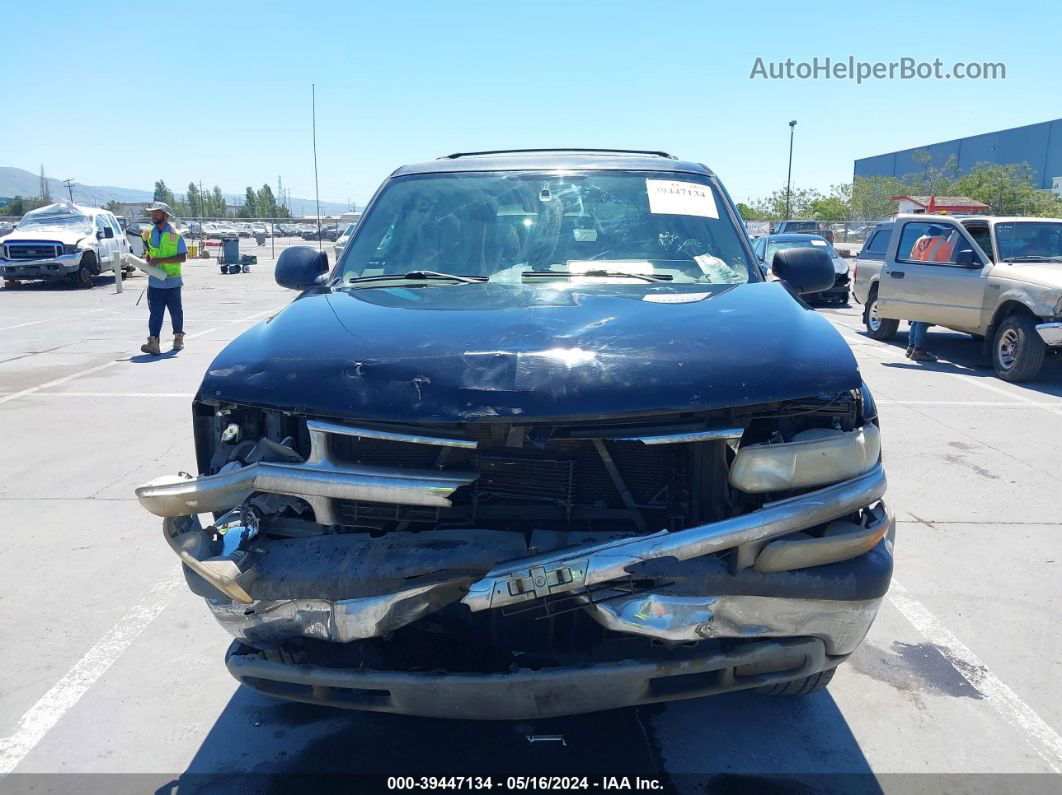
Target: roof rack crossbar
(650, 152)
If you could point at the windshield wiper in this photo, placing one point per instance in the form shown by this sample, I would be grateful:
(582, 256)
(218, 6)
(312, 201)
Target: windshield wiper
(1033, 258)
(417, 275)
(656, 277)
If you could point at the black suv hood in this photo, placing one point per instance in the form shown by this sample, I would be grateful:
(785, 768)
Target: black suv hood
(487, 351)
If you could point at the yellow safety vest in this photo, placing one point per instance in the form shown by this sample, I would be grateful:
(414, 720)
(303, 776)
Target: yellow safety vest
(167, 248)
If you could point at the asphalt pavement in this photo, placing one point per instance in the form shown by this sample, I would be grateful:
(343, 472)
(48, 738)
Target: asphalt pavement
(112, 673)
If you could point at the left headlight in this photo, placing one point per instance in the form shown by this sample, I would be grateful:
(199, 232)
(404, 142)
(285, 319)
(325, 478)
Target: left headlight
(815, 457)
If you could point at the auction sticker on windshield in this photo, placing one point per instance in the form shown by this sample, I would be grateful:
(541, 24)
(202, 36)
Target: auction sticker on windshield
(674, 197)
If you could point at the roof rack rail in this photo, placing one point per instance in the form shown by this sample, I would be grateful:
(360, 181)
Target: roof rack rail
(650, 152)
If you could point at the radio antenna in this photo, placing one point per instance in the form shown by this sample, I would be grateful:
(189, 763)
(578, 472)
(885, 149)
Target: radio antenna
(316, 186)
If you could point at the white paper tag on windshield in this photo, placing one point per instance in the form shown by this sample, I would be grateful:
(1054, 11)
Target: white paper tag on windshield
(586, 235)
(674, 197)
(818, 243)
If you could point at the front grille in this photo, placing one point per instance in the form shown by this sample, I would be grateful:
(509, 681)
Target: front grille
(32, 250)
(563, 481)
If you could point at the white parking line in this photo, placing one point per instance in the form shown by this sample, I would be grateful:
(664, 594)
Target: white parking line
(199, 334)
(65, 693)
(21, 325)
(119, 394)
(998, 404)
(58, 381)
(255, 315)
(1044, 739)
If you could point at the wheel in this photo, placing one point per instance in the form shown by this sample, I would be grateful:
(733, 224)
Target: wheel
(878, 328)
(128, 272)
(798, 687)
(1017, 350)
(83, 277)
(10, 284)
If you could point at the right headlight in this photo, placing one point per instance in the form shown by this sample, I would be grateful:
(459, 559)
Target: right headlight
(815, 457)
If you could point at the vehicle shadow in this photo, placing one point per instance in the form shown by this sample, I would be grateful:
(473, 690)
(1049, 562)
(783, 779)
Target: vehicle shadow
(263, 745)
(960, 354)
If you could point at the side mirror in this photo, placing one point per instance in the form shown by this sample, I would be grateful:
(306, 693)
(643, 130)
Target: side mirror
(967, 259)
(99, 234)
(299, 267)
(807, 270)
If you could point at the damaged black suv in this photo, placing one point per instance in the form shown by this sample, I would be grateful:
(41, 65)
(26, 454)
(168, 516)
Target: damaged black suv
(544, 441)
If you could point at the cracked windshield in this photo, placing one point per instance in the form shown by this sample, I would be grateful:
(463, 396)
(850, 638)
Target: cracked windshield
(526, 227)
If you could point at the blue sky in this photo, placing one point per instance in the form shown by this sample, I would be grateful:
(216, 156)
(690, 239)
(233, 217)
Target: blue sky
(220, 92)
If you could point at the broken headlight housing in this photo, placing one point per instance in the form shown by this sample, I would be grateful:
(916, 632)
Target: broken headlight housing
(814, 457)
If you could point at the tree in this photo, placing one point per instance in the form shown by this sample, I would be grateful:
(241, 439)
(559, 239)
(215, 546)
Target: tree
(214, 203)
(114, 206)
(929, 180)
(20, 205)
(45, 193)
(267, 203)
(872, 197)
(194, 201)
(828, 208)
(164, 194)
(1009, 189)
(749, 213)
(250, 204)
(773, 207)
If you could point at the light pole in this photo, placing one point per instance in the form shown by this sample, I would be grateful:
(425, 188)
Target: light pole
(789, 176)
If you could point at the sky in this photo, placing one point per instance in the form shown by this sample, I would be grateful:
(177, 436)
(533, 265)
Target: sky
(123, 94)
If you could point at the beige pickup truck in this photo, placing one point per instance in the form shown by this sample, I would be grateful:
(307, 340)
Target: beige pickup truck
(998, 279)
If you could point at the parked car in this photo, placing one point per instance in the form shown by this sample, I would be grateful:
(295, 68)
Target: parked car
(765, 248)
(803, 227)
(494, 469)
(996, 278)
(344, 236)
(62, 241)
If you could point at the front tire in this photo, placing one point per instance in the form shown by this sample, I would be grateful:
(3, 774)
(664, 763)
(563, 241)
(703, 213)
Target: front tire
(798, 687)
(878, 328)
(83, 278)
(1017, 350)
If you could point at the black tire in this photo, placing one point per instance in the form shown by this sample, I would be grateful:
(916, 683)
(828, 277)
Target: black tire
(11, 284)
(1017, 349)
(798, 687)
(83, 278)
(878, 328)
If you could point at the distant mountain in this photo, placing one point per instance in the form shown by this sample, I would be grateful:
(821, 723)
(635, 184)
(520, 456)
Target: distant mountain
(19, 182)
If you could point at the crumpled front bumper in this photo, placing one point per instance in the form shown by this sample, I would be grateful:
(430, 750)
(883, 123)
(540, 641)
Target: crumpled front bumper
(50, 268)
(527, 693)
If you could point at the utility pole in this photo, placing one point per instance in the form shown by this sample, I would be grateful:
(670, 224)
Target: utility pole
(789, 176)
(70, 188)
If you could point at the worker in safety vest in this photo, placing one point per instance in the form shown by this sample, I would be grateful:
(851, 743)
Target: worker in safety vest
(164, 248)
(935, 246)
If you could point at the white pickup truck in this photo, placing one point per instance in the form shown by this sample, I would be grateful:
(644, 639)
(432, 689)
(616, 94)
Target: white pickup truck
(998, 279)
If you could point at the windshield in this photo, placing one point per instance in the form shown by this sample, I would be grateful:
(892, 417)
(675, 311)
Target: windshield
(52, 221)
(516, 226)
(1029, 240)
(780, 245)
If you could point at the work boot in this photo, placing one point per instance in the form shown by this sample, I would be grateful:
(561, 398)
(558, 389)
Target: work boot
(910, 350)
(922, 355)
(152, 346)
(178, 341)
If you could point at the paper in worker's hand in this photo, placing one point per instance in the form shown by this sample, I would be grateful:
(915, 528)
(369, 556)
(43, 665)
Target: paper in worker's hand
(145, 266)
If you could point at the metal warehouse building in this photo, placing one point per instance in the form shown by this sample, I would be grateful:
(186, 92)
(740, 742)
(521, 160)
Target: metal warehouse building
(1039, 145)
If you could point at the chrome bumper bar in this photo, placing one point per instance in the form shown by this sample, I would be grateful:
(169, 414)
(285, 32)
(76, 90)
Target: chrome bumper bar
(575, 569)
(318, 480)
(317, 483)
